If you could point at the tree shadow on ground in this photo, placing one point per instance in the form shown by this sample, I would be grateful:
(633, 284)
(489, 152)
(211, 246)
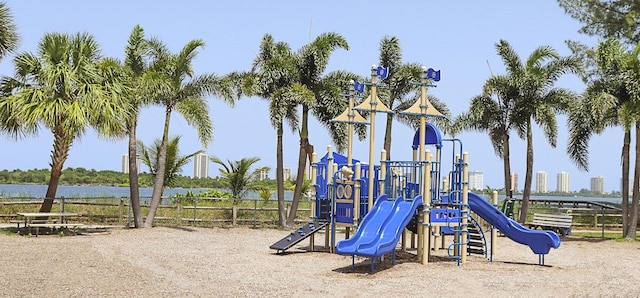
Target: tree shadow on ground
(185, 229)
(362, 265)
(583, 239)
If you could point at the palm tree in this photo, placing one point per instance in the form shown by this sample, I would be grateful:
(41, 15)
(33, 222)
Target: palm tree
(607, 102)
(493, 112)
(290, 80)
(138, 78)
(538, 100)
(398, 84)
(8, 33)
(182, 91)
(63, 88)
(272, 72)
(236, 176)
(174, 161)
(313, 59)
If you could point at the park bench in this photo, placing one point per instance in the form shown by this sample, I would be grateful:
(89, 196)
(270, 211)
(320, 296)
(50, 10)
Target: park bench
(559, 223)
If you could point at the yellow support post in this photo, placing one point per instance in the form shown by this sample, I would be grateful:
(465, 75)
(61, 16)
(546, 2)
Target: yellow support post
(465, 206)
(314, 171)
(426, 199)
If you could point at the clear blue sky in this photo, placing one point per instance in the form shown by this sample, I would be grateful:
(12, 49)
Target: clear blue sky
(457, 37)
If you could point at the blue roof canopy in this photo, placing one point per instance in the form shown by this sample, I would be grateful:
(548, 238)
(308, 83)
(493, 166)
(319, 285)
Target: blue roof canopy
(432, 137)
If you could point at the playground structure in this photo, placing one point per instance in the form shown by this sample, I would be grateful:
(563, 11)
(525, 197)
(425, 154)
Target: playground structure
(382, 203)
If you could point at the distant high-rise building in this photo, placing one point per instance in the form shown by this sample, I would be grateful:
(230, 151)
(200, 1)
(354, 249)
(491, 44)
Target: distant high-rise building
(287, 174)
(630, 185)
(263, 174)
(541, 182)
(476, 180)
(563, 182)
(597, 184)
(125, 163)
(201, 166)
(514, 181)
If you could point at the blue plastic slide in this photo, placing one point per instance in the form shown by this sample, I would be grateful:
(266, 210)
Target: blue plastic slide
(380, 229)
(539, 241)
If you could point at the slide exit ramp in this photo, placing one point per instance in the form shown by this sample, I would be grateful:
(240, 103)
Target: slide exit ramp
(540, 242)
(298, 235)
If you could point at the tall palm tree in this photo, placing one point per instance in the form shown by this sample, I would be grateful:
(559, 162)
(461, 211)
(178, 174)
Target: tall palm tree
(182, 91)
(174, 161)
(313, 60)
(538, 101)
(291, 79)
(272, 72)
(493, 112)
(138, 78)
(395, 94)
(63, 88)
(610, 100)
(8, 33)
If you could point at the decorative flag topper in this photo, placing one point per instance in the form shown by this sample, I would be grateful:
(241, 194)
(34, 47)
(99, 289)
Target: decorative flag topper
(358, 87)
(432, 74)
(382, 72)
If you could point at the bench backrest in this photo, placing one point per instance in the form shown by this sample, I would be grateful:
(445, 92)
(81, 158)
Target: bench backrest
(558, 220)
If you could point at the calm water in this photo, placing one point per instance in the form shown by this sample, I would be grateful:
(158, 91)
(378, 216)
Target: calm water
(70, 191)
(73, 191)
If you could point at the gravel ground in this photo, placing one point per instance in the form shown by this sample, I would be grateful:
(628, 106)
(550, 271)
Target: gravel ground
(237, 262)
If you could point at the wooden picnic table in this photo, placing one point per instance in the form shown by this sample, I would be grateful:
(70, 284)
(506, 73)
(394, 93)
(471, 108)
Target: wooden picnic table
(47, 220)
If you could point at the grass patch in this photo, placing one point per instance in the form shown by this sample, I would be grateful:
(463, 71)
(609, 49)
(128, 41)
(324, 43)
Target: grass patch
(8, 232)
(607, 235)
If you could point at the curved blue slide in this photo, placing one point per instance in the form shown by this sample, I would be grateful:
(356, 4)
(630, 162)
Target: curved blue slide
(539, 241)
(381, 228)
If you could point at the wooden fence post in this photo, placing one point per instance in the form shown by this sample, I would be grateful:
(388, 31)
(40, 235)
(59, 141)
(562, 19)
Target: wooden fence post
(195, 208)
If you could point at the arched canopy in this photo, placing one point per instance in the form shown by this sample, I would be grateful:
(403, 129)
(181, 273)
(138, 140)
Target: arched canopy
(432, 137)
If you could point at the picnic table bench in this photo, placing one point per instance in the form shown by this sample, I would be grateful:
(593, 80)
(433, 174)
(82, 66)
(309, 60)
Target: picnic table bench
(559, 223)
(53, 220)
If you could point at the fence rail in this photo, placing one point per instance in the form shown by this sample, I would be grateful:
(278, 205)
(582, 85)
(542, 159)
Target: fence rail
(197, 212)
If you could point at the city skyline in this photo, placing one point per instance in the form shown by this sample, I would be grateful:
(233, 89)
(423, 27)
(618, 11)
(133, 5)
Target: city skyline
(476, 177)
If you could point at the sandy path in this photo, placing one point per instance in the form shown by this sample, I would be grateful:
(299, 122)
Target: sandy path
(237, 262)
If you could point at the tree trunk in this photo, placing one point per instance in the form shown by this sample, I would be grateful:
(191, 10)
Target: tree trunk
(302, 162)
(134, 191)
(158, 185)
(387, 135)
(506, 162)
(625, 183)
(633, 219)
(297, 193)
(282, 215)
(527, 180)
(61, 146)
